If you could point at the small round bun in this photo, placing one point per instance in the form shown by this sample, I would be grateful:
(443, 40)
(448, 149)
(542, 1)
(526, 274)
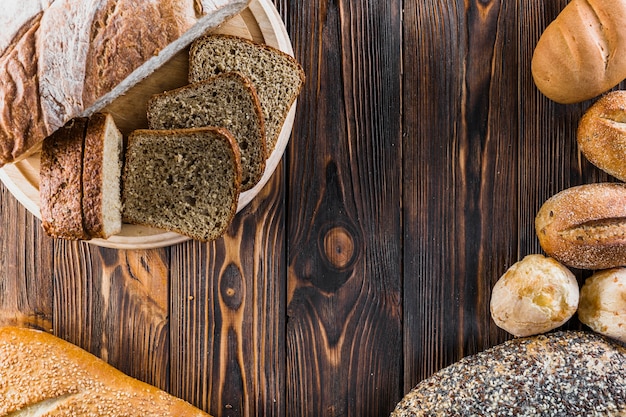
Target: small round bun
(603, 303)
(535, 295)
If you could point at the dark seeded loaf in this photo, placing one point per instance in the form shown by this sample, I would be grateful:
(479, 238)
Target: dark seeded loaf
(557, 374)
(60, 187)
(227, 100)
(277, 77)
(182, 180)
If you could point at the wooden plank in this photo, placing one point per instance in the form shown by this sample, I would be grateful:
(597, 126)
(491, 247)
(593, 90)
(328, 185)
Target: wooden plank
(228, 313)
(344, 232)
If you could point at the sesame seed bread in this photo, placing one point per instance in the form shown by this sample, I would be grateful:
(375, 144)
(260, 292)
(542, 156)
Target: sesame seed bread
(558, 374)
(227, 100)
(41, 374)
(68, 58)
(277, 77)
(183, 180)
(102, 169)
(61, 182)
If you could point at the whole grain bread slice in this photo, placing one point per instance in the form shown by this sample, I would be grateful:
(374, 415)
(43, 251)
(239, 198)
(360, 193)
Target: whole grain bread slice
(102, 168)
(182, 180)
(277, 76)
(227, 100)
(60, 186)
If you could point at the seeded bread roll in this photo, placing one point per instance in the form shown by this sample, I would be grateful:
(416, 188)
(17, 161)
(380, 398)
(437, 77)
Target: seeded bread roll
(602, 134)
(276, 76)
(67, 58)
(557, 374)
(183, 180)
(585, 226)
(582, 53)
(102, 169)
(41, 374)
(227, 100)
(61, 185)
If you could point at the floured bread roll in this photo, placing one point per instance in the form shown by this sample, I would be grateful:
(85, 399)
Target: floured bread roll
(603, 303)
(535, 295)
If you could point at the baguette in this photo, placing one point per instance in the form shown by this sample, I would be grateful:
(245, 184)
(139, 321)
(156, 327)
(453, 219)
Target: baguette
(582, 53)
(557, 374)
(67, 58)
(41, 374)
(585, 226)
(601, 134)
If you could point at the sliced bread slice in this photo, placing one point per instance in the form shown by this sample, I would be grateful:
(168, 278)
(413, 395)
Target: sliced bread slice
(60, 184)
(227, 100)
(182, 180)
(102, 168)
(277, 77)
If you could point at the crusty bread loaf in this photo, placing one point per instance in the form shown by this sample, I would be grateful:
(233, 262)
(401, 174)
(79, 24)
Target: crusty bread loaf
(227, 100)
(182, 180)
(102, 170)
(557, 374)
(277, 77)
(66, 58)
(585, 226)
(61, 182)
(601, 134)
(582, 53)
(41, 374)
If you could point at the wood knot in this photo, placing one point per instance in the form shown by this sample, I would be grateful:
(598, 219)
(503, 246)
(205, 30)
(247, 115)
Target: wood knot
(338, 246)
(232, 287)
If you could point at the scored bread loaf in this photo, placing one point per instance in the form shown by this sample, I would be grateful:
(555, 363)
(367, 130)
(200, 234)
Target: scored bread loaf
(601, 134)
(67, 58)
(61, 182)
(585, 226)
(102, 170)
(182, 180)
(227, 100)
(582, 53)
(277, 77)
(41, 374)
(571, 373)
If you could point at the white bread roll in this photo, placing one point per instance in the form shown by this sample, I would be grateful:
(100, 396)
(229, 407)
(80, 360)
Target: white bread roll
(603, 303)
(41, 374)
(582, 53)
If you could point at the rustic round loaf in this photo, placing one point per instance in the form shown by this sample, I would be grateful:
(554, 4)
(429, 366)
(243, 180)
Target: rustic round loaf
(535, 295)
(603, 303)
(585, 226)
(601, 134)
(582, 53)
(557, 374)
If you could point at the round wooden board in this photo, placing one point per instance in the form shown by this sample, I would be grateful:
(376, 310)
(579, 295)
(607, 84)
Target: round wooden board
(259, 22)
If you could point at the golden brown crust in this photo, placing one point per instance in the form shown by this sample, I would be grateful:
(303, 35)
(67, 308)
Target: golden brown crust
(582, 53)
(61, 182)
(41, 370)
(601, 134)
(585, 226)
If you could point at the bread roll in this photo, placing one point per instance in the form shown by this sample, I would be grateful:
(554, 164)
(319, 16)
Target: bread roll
(603, 303)
(602, 134)
(582, 53)
(585, 226)
(41, 374)
(557, 374)
(535, 295)
(66, 58)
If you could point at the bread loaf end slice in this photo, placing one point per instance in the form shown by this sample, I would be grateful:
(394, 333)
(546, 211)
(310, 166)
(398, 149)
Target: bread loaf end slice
(227, 100)
(102, 167)
(183, 180)
(277, 76)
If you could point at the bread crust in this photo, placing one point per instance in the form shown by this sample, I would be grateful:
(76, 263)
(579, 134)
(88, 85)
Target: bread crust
(38, 369)
(601, 134)
(585, 226)
(582, 53)
(74, 57)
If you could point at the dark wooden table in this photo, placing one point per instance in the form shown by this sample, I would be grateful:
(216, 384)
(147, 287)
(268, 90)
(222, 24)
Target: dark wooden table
(420, 154)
